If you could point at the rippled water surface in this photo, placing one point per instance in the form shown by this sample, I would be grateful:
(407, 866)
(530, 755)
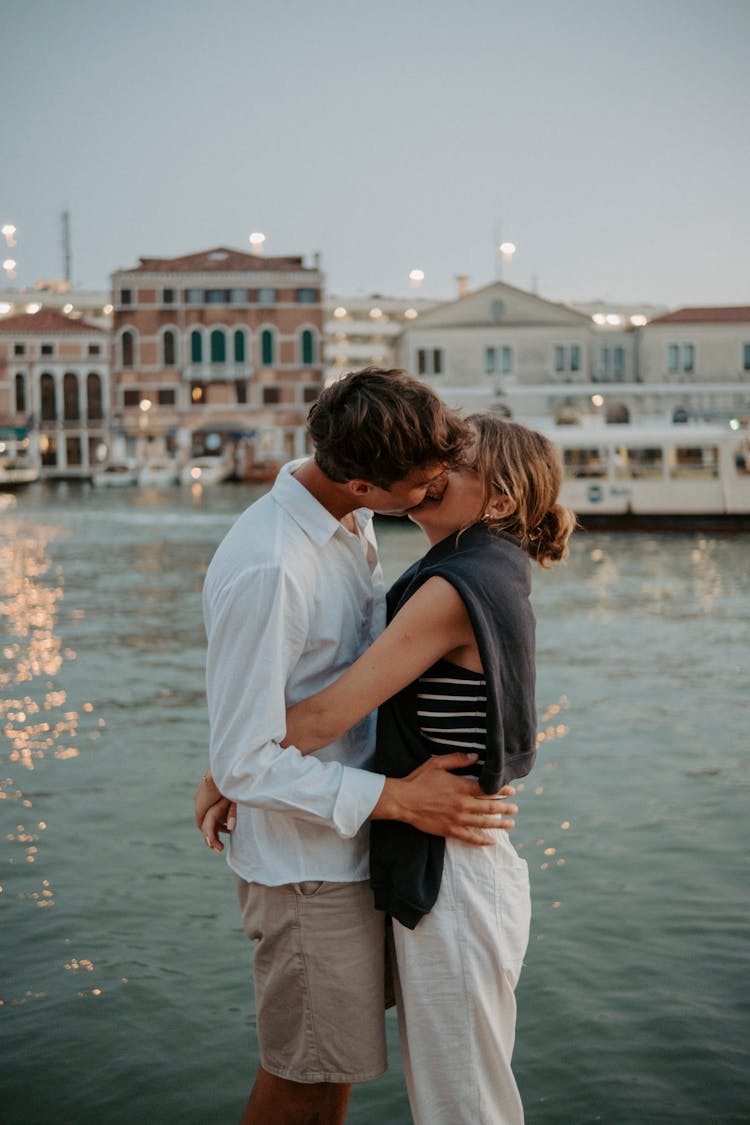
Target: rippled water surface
(124, 974)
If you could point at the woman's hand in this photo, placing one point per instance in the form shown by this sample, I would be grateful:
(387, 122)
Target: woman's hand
(221, 817)
(205, 795)
(214, 813)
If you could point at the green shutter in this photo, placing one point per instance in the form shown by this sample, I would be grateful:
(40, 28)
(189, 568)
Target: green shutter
(218, 346)
(239, 346)
(196, 346)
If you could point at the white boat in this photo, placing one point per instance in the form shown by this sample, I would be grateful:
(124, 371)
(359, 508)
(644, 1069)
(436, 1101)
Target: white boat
(205, 470)
(650, 475)
(16, 464)
(115, 474)
(158, 474)
(14, 475)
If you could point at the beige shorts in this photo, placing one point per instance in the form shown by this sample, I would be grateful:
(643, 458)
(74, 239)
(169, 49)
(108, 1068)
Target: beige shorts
(318, 972)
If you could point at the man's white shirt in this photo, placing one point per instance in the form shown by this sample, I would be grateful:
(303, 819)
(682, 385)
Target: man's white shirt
(291, 599)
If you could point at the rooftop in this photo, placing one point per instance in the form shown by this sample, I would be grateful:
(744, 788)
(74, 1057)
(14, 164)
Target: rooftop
(718, 314)
(48, 321)
(221, 259)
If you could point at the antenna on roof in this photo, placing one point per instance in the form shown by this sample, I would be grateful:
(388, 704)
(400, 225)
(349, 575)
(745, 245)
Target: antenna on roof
(67, 257)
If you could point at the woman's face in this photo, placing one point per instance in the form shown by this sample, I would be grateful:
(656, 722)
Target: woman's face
(455, 501)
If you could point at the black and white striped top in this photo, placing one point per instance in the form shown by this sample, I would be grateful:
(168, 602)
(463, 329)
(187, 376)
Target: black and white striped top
(452, 708)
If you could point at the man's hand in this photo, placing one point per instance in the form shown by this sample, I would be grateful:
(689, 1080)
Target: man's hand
(436, 801)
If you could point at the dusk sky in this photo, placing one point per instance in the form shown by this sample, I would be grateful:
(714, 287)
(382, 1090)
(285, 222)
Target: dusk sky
(609, 140)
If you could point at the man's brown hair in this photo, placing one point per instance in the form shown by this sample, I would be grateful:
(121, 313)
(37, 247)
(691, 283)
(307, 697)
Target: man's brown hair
(377, 425)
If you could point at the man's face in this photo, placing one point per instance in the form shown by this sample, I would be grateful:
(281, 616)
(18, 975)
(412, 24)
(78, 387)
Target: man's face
(408, 492)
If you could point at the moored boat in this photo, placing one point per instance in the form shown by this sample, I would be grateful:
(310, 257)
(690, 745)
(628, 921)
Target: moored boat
(17, 465)
(205, 470)
(158, 474)
(648, 475)
(115, 474)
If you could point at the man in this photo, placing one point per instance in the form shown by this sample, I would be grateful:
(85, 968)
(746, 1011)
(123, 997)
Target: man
(293, 596)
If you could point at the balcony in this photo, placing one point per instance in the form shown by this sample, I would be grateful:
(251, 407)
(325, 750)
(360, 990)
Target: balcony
(216, 372)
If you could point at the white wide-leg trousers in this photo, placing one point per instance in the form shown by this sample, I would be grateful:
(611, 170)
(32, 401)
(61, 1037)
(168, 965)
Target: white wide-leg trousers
(455, 989)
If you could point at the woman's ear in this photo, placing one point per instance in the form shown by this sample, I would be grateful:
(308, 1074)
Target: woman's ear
(500, 506)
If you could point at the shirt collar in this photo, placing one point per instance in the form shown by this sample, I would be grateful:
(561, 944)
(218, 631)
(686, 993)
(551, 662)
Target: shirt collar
(315, 520)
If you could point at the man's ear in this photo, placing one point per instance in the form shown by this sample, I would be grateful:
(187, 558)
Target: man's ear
(500, 506)
(359, 488)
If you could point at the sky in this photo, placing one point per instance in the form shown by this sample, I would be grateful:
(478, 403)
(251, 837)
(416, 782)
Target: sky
(610, 141)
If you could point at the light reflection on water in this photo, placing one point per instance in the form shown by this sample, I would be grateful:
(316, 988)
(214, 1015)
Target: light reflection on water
(122, 954)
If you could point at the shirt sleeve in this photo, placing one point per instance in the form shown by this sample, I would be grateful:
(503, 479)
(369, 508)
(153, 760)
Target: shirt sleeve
(257, 627)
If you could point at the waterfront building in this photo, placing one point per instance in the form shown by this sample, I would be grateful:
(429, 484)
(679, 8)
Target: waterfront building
(697, 360)
(363, 331)
(500, 347)
(504, 348)
(214, 344)
(93, 306)
(54, 384)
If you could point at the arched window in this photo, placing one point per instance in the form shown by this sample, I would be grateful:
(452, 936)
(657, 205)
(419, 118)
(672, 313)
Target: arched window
(71, 411)
(94, 396)
(218, 346)
(20, 393)
(47, 398)
(196, 346)
(169, 347)
(128, 348)
(307, 347)
(239, 346)
(267, 348)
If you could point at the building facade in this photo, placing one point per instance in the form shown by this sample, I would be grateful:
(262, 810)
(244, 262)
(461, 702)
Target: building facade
(216, 342)
(364, 331)
(54, 382)
(502, 348)
(699, 359)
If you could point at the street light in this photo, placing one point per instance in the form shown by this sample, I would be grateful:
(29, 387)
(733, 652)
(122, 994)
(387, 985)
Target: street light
(256, 241)
(416, 277)
(506, 251)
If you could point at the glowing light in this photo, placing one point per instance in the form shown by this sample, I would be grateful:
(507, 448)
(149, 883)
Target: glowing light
(34, 307)
(339, 312)
(416, 277)
(614, 319)
(108, 310)
(376, 313)
(4, 308)
(597, 400)
(67, 308)
(638, 320)
(197, 394)
(256, 241)
(195, 472)
(9, 230)
(599, 318)
(145, 404)
(9, 264)
(411, 314)
(735, 424)
(507, 249)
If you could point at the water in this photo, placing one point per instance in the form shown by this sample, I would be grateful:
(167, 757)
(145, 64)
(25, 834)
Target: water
(125, 979)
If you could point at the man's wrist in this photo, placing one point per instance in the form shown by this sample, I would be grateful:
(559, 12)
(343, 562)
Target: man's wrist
(391, 804)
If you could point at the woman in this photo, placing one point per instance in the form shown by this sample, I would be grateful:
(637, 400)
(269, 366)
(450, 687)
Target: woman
(455, 670)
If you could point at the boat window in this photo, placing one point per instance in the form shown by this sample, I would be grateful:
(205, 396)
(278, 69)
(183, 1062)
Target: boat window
(585, 462)
(638, 463)
(695, 461)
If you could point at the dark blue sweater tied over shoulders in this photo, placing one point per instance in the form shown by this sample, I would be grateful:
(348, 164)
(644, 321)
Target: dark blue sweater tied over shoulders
(492, 574)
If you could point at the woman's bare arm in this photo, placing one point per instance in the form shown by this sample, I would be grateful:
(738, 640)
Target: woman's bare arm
(433, 623)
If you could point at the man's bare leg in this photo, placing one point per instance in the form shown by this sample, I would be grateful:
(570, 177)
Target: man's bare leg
(277, 1101)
